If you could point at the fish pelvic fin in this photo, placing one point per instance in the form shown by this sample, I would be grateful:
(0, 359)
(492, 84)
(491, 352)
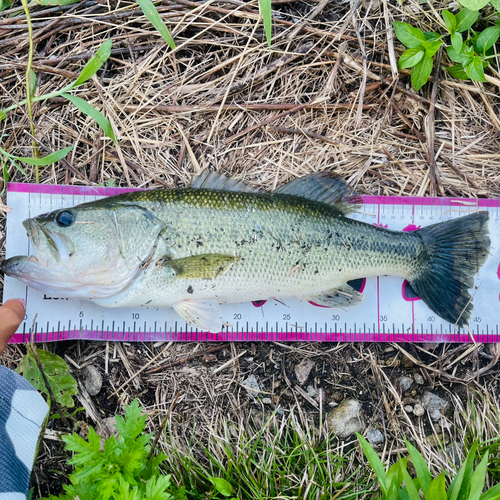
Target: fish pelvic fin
(456, 249)
(344, 296)
(205, 266)
(202, 314)
(324, 188)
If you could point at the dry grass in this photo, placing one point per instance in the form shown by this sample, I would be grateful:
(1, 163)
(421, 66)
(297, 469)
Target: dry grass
(323, 97)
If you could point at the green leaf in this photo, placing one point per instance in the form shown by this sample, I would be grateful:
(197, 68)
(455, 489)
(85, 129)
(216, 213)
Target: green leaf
(43, 162)
(421, 72)
(5, 4)
(410, 485)
(496, 4)
(474, 4)
(459, 487)
(430, 36)
(152, 14)
(32, 83)
(94, 64)
(456, 42)
(89, 110)
(5, 175)
(395, 476)
(411, 57)
(465, 19)
(487, 38)
(222, 486)
(492, 494)
(431, 47)
(457, 71)
(458, 57)
(477, 479)
(437, 490)
(63, 385)
(375, 462)
(421, 467)
(475, 70)
(450, 20)
(265, 10)
(408, 35)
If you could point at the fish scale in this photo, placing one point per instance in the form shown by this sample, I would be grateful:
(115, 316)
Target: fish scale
(307, 322)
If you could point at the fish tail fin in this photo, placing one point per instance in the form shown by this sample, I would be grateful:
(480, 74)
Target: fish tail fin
(456, 249)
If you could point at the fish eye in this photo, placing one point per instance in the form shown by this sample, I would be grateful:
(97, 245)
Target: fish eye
(65, 219)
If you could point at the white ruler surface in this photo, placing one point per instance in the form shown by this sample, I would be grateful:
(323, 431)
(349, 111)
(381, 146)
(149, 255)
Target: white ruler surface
(386, 315)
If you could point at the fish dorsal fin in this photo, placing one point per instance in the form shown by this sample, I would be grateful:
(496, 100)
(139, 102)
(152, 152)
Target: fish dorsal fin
(325, 188)
(216, 180)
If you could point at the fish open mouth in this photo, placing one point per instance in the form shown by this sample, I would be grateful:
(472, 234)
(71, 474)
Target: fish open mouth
(49, 248)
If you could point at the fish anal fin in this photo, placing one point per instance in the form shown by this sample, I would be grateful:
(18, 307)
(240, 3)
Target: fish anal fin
(324, 188)
(343, 296)
(215, 180)
(205, 266)
(202, 314)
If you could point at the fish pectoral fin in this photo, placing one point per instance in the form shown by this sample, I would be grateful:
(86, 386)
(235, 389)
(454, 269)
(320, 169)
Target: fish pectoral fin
(205, 266)
(205, 315)
(339, 297)
(325, 188)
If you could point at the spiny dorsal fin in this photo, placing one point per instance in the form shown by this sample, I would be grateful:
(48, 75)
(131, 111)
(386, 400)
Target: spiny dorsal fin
(325, 188)
(216, 180)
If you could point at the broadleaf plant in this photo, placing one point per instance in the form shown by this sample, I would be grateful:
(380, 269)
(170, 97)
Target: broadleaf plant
(56, 371)
(470, 50)
(120, 469)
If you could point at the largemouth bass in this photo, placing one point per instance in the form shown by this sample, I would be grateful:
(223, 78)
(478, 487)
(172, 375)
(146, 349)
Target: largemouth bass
(218, 241)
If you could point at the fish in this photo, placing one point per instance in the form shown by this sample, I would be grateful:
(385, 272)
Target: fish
(221, 241)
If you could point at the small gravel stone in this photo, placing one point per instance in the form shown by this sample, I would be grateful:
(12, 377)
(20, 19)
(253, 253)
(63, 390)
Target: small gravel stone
(418, 378)
(405, 383)
(303, 370)
(311, 391)
(251, 385)
(374, 437)
(433, 404)
(267, 401)
(346, 418)
(92, 379)
(409, 409)
(418, 410)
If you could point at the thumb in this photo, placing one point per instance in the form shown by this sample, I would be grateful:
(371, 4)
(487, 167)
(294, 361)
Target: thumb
(11, 315)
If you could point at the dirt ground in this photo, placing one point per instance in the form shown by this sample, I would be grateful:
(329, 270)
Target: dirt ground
(323, 97)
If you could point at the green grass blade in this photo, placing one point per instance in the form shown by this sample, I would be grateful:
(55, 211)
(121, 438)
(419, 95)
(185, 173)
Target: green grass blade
(375, 462)
(492, 493)
(437, 489)
(410, 485)
(41, 162)
(456, 484)
(420, 465)
(94, 63)
(89, 110)
(477, 479)
(265, 9)
(152, 14)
